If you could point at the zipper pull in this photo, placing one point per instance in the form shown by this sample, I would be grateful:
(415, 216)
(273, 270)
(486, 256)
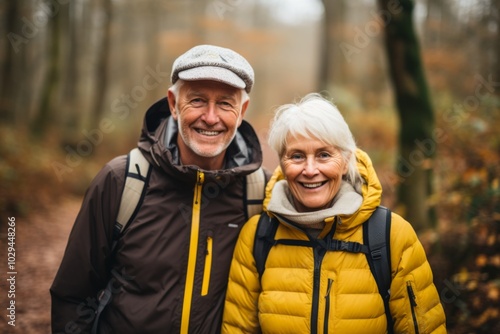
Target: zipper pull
(411, 294)
(199, 184)
(210, 238)
(330, 283)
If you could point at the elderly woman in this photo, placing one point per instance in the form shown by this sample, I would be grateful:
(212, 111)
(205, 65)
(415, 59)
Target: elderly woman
(322, 193)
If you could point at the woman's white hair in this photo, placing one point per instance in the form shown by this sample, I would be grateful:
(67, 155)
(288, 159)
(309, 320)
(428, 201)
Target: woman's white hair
(315, 117)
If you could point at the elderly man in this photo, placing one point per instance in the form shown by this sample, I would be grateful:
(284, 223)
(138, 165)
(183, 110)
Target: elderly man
(163, 267)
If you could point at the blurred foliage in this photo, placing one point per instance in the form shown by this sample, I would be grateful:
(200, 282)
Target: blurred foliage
(25, 173)
(464, 250)
(35, 174)
(468, 200)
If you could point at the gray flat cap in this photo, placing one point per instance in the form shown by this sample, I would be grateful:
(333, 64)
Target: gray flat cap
(209, 62)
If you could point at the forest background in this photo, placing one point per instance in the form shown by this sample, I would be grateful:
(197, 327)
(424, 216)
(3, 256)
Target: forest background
(77, 77)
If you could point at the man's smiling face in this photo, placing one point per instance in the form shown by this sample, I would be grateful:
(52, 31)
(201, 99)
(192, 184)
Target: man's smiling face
(208, 114)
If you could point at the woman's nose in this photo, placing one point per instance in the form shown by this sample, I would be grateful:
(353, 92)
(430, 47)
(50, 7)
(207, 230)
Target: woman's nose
(310, 167)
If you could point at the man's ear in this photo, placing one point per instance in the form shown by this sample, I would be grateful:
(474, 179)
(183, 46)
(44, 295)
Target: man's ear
(244, 107)
(171, 103)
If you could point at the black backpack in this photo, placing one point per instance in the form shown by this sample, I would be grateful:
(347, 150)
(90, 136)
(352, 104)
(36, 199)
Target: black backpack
(376, 233)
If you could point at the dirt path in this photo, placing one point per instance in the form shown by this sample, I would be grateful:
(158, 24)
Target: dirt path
(40, 242)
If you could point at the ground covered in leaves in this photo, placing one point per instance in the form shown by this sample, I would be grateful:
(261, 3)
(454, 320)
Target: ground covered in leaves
(40, 241)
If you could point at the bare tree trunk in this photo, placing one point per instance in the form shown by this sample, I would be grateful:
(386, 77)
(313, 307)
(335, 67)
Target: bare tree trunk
(7, 87)
(71, 120)
(47, 109)
(325, 58)
(331, 62)
(102, 76)
(417, 146)
(496, 65)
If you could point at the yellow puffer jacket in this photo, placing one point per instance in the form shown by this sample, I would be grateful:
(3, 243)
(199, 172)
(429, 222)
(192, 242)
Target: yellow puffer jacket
(345, 298)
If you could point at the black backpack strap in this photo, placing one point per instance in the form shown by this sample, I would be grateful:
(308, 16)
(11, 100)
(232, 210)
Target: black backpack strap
(264, 240)
(328, 245)
(346, 246)
(376, 233)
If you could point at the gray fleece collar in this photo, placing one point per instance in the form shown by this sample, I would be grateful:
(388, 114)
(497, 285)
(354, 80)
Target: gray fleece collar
(238, 152)
(346, 202)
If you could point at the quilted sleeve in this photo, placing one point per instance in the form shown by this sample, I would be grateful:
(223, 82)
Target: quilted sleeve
(241, 305)
(415, 304)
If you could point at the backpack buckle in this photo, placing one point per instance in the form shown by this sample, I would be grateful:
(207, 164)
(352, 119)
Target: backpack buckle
(356, 247)
(353, 247)
(376, 254)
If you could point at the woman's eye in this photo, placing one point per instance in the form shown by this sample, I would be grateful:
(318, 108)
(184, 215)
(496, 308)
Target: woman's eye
(324, 155)
(296, 157)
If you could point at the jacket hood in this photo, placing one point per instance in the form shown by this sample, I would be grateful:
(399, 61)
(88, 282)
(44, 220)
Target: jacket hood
(371, 191)
(158, 142)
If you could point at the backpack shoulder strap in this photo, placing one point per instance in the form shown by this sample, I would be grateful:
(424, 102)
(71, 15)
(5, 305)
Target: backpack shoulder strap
(138, 170)
(255, 192)
(376, 233)
(137, 177)
(264, 240)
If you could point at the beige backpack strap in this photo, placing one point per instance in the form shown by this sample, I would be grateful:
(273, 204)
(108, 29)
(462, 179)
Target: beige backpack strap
(255, 187)
(138, 171)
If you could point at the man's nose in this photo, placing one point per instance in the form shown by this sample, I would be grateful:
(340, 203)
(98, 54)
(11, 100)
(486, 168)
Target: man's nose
(210, 116)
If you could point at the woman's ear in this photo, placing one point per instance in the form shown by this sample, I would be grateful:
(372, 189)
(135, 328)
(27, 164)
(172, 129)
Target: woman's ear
(346, 164)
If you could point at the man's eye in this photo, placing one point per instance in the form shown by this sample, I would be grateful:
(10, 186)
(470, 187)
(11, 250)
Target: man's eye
(225, 105)
(197, 102)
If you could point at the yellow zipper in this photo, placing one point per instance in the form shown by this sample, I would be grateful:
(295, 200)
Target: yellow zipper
(208, 267)
(193, 246)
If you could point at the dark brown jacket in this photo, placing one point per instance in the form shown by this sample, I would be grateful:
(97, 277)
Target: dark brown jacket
(171, 264)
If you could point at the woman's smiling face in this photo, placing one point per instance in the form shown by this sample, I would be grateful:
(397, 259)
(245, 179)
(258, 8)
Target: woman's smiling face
(313, 171)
